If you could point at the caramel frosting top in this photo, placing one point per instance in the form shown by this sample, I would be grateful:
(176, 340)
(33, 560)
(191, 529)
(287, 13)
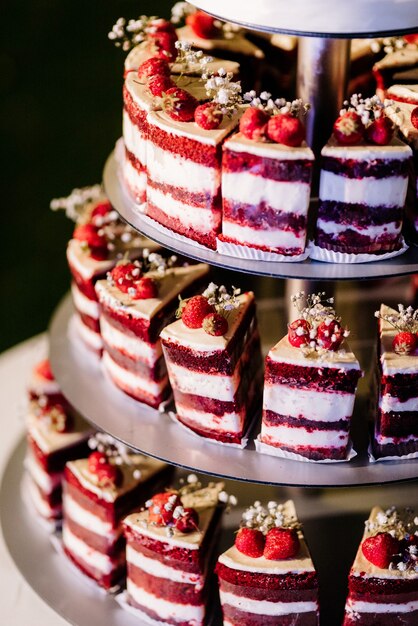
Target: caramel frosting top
(239, 143)
(50, 440)
(236, 43)
(343, 358)
(400, 114)
(396, 149)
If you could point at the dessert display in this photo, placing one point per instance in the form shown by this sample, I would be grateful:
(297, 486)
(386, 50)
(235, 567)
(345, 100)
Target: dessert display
(266, 180)
(170, 553)
(99, 491)
(363, 183)
(396, 412)
(267, 576)
(383, 581)
(214, 363)
(99, 241)
(136, 301)
(55, 434)
(309, 387)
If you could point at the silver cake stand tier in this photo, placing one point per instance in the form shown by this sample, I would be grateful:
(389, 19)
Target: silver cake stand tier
(83, 381)
(406, 263)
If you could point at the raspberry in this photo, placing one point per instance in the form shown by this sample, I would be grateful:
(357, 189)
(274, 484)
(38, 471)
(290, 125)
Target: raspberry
(414, 117)
(162, 507)
(215, 324)
(250, 541)
(281, 543)
(43, 369)
(145, 288)
(159, 84)
(380, 549)
(89, 234)
(124, 276)
(195, 310)
(95, 460)
(179, 104)
(349, 129)
(380, 132)
(108, 474)
(404, 342)
(153, 67)
(203, 25)
(253, 124)
(330, 335)
(286, 129)
(188, 522)
(207, 116)
(163, 45)
(298, 333)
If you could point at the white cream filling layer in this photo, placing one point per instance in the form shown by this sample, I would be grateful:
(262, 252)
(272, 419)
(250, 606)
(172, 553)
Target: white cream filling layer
(91, 338)
(159, 569)
(203, 384)
(134, 139)
(92, 558)
(360, 606)
(130, 344)
(171, 169)
(136, 181)
(265, 607)
(46, 482)
(394, 440)
(313, 405)
(164, 608)
(291, 436)
(132, 381)
(390, 191)
(268, 237)
(84, 518)
(83, 304)
(244, 187)
(199, 219)
(229, 422)
(390, 403)
(330, 227)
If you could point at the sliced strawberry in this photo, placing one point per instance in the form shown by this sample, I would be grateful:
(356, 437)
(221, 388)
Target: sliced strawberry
(43, 369)
(215, 324)
(253, 124)
(188, 522)
(349, 129)
(251, 542)
(153, 67)
(404, 342)
(159, 84)
(95, 460)
(162, 508)
(208, 116)
(298, 333)
(145, 288)
(414, 117)
(203, 25)
(380, 132)
(195, 310)
(330, 335)
(380, 549)
(179, 104)
(125, 275)
(286, 129)
(281, 543)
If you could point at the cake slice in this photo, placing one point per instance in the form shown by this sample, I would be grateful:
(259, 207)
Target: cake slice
(99, 491)
(42, 386)
(136, 302)
(267, 577)
(397, 66)
(396, 412)
(383, 581)
(170, 554)
(214, 363)
(309, 388)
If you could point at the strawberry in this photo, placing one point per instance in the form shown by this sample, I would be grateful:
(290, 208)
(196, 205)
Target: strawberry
(179, 104)
(162, 507)
(250, 541)
(188, 522)
(330, 335)
(124, 276)
(207, 116)
(145, 288)
(281, 543)
(298, 333)
(380, 132)
(95, 460)
(153, 67)
(57, 419)
(380, 549)
(286, 129)
(414, 117)
(163, 45)
(160, 25)
(253, 124)
(215, 324)
(404, 342)
(413, 38)
(203, 25)
(108, 474)
(195, 310)
(101, 210)
(43, 369)
(89, 234)
(159, 84)
(349, 129)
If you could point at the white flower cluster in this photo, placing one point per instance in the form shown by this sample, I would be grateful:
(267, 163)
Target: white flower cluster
(180, 11)
(271, 516)
(191, 60)
(54, 417)
(75, 203)
(226, 498)
(369, 109)
(405, 320)
(220, 298)
(222, 90)
(391, 44)
(127, 34)
(266, 103)
(112, 448)
(153, 262)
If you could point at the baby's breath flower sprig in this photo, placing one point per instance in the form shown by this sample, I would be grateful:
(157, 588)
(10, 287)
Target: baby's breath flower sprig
(191, 60)
(154, 262)
(223, 90)
(265, 102)
(391, 44)
(369, 109)
(314, 307)
(264, 518)
(181, 10)
(405, 320)
(74, 205)
(102, 442)
(127, 34)
(219, 297)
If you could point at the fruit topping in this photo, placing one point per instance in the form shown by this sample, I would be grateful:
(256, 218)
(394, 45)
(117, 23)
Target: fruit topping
(195, 310)
(56, 418)
(380, 132)
(349, 129)
(208, 116)
(125, 275)
(109, 475)
(179, 104)
(95, 460)
(159, 84)
(43, 369)
(203, 25)
(101, 210)
(161, 508)
(163, 45)
(380, 549)
(251, 542)
(188, 522)
(145, 288)
(91, 237)
(414, 117)
(281, 543)
(286, 129)
(153, 67)
(330, 334)
(253, 124)
(298, 333)
(405, 342)
(215, 324)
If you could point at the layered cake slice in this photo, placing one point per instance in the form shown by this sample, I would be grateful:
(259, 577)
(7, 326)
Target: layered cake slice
(170, 554)
(363, 182)
(99, 491)
(309, 388)
(214, 363)
(43, 387)
(267, 577)
(383, 581)
(399, 65)
(396, 412)
(136, 302)
(266, 182)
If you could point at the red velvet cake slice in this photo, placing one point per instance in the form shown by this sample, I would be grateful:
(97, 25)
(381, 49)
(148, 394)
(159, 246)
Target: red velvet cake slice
(214, 363)
(383, 581)
(267, 578)
(43, 387)
(309, 389)
(396, 418)
(136, 302)
(170, 552)
(98, 493)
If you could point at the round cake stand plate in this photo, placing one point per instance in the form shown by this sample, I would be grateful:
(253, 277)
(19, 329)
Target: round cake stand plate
(83, 381)
(406, 263)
